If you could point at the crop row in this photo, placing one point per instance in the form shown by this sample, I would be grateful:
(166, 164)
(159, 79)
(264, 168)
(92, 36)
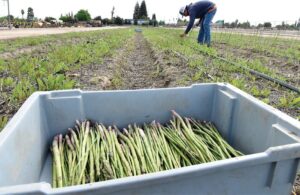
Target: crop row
(208, 69)
(46, 70)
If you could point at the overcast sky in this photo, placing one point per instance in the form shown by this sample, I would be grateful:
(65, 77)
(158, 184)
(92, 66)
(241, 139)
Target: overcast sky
(229, 10)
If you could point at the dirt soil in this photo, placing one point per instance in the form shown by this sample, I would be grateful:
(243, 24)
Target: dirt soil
(134, 66)
(6, 108)
(31, 32)
(297, 186)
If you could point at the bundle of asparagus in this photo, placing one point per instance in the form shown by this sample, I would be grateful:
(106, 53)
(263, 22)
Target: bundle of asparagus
(91, 153)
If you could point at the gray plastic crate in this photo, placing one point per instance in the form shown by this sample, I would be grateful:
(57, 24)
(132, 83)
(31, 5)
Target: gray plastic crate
(268, 136)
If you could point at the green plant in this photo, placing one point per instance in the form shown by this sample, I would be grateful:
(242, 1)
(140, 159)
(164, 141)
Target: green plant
(239, 83)
(3, 121)
(22, 91)
(83, 15)
(46, 68)
(266, 100)
(289, 101)
(54, 83)
(6, 83)
(260, 93)
(198, 76)
(255, 91)
(296, 102)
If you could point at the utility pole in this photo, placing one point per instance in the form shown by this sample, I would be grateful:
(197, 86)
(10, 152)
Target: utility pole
(8, 17)
(8, 10)
(112, 13)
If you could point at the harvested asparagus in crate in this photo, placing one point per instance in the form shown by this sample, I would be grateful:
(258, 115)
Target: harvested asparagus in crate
(91, 153)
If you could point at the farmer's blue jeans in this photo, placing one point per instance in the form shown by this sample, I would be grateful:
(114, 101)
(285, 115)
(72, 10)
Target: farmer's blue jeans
(204, 33)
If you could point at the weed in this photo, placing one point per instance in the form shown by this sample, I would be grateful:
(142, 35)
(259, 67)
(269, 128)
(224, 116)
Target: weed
(3, 121)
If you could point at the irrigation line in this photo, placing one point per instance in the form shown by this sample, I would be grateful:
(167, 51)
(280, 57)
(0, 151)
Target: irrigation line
(256, 73)
(259, 74)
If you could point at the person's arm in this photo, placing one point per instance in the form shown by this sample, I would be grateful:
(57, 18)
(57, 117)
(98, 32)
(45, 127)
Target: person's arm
(189, 27)
(191, 24)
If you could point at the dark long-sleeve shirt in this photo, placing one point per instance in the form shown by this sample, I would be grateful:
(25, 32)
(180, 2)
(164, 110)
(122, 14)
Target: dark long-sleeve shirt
(197, 10)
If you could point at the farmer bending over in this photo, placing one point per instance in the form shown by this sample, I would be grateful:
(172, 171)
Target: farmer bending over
(205, 11)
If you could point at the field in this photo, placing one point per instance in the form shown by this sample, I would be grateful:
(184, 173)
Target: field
(124, 59)
(156, 58)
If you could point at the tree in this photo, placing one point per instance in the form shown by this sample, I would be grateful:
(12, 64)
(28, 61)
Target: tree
(68, 18)
(11, 17)
(244, 25)
(118, 21)
(30, 14)
(98, 18)
(267, 25)
(143, 14)
(227, 25)
(181, 22)
(127, 22)
(161, 23)
(83, 15)
(153, 20)
(22, 12)
(106, 21)
(260, 25)
(49, 19)
(136, 11)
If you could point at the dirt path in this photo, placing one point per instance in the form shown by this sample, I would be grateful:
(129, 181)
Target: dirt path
(136, 65)
(31, 32)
